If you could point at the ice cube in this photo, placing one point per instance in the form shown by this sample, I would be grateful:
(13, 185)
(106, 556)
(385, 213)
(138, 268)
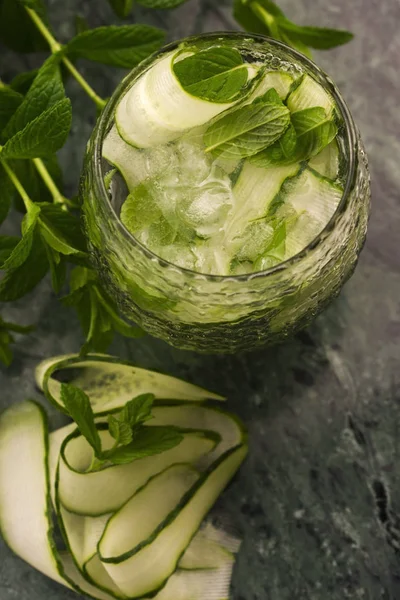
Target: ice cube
(195, 164)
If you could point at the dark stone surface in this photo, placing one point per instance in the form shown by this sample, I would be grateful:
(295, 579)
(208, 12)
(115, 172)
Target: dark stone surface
(318, 501)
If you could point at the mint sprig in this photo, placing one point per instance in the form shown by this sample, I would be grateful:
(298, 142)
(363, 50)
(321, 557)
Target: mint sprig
(265, 17)
(132, 439)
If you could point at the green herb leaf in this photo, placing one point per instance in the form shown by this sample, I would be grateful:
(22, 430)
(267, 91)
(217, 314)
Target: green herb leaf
(217, 74)
(6, 194)
(319, 38)
(123, 46)
(247, 130)
(247, 19)
(163, 4)
(138, 410)
(9, 103)
(271, 97)
(23, 81)
(122, 8)
(22, 250)
(16, 283)
(120, 430)
(58, 269)
(314, 131)
(148, 442)
(43, 136)
(61, 230)
(7, 245)
(17, 30)
(46, 90)
(80, 410)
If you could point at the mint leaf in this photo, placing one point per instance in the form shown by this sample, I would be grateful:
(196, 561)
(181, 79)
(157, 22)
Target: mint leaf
(257, 16)
(6, 194)
(247, 130)
(46, 90)
(17, 30)
(310, 131)
(216, 74)
(16, 283)
(164, 4)
(9, 103)
(296, 44)
(43, 136)
(58, 269)
(79, 278)
(123, 46)
(125, 329)
(319, 38)
(271, 96)
(138, 410)
(7, 245)
(122, 8)
(80, 410)
(120, 430)
(61, 230)
(147, 442)
(314, 131)
(23, 81)
(22, 250)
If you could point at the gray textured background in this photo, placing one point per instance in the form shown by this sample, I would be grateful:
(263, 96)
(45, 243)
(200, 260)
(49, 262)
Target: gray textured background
(319, 500)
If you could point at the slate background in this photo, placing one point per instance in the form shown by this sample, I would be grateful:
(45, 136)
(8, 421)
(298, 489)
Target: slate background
(318, 502)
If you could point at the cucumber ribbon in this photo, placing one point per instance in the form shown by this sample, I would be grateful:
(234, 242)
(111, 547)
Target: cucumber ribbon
(134, 530)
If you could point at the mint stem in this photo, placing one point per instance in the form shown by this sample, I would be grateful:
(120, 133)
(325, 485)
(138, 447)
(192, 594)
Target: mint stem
(18, 185)
(56, 47)
(58, 198)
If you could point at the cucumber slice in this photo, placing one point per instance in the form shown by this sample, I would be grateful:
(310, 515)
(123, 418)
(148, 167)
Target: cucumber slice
(279, 80)
(55, 442)
(101, 492)
(309, 94)
(203, 553)
(326, 163)
(130, 162)
(315, 195)
(227, 426)
(24, 503)
(25, 500)
(254, 191)
(111, 383)
(120, 540)
(315, 200)
(157, 110)
(198, 585)
(153, 562)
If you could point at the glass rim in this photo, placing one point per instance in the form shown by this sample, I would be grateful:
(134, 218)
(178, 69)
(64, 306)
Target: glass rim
(350, 135)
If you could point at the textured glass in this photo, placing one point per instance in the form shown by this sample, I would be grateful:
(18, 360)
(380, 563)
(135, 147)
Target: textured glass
(226, 314)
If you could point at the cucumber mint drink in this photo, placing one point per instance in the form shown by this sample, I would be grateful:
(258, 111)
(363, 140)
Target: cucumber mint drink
(224, 160)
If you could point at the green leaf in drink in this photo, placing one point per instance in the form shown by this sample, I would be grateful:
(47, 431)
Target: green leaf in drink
(217, 74)
(247, 130)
